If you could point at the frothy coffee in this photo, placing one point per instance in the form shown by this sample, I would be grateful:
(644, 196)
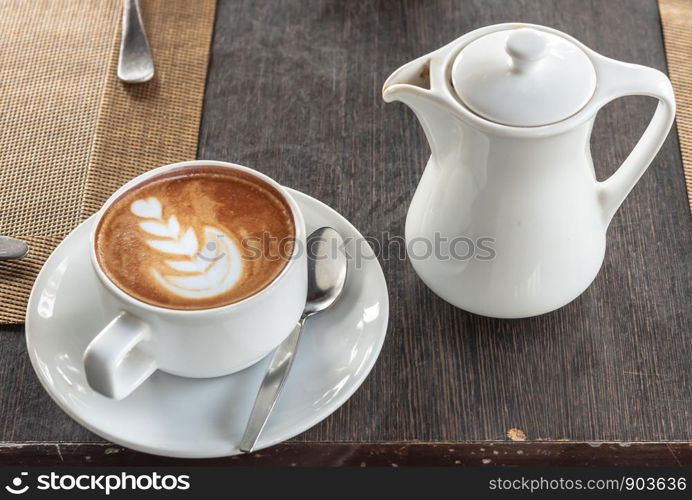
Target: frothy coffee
(196, 238)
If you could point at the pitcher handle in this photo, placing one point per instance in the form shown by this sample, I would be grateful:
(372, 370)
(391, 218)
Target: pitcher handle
(618, 79)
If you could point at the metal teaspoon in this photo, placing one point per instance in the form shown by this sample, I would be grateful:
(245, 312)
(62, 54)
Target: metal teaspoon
(11, 248)
(135, 64)
(327, 267)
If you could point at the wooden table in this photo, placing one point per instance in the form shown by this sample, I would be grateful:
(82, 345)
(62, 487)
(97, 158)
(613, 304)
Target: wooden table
(294, 91)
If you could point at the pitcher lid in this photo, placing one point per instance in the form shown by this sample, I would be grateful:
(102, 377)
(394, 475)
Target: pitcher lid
(523, 77)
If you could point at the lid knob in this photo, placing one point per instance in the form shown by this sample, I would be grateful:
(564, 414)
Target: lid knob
(526, 47)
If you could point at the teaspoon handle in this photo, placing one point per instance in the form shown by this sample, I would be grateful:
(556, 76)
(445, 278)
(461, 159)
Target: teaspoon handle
(269, 391)
(11, 248)
(135, 64)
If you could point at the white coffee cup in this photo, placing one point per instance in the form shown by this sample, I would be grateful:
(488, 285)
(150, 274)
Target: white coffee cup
(142, 338)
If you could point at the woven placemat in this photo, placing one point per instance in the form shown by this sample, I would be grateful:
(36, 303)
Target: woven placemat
(676, 18)
(71, 132)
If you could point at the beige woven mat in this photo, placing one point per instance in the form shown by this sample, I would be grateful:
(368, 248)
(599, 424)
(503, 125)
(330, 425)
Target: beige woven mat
(676, 17)
(70, 131)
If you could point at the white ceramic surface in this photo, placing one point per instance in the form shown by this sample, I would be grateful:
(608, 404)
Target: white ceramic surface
(530, 190)
(140, 338)
(523, 77)
(185, 417)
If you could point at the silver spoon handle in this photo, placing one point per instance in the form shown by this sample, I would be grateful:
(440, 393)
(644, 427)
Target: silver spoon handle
(135, 64)
(269, 391)
(11, 248)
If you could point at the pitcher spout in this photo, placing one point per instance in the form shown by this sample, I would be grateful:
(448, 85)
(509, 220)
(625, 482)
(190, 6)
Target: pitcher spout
(416, 85)
(415, 74)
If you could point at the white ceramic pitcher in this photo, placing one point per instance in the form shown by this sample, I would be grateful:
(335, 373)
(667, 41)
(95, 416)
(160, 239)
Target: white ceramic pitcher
(508, 112)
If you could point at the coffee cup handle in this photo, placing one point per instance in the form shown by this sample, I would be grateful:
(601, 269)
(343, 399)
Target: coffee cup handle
(113, 363)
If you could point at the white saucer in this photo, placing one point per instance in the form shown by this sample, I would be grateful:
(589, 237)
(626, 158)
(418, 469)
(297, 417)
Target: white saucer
(181, 417)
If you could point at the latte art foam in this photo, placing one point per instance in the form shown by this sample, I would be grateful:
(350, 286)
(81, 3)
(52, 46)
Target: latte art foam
(205, 275)
(183, 233)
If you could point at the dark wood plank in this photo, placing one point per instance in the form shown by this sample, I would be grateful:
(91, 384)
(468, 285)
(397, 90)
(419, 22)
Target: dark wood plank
(294, 91)
(488, 454)
(614, 364)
